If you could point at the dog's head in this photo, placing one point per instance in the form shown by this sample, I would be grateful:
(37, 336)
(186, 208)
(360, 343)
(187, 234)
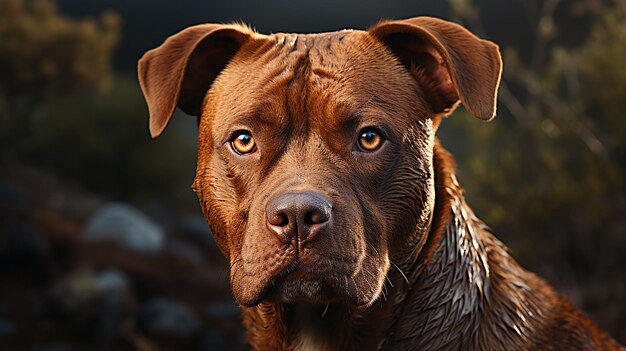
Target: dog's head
(315, 151)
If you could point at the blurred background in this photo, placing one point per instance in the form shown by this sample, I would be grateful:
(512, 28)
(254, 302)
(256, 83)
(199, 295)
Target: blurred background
(102, 243)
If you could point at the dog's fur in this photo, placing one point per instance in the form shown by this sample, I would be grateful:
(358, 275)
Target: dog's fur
(402, 263)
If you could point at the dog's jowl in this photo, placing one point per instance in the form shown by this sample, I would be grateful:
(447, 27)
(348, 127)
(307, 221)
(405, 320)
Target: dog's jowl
(323, 183)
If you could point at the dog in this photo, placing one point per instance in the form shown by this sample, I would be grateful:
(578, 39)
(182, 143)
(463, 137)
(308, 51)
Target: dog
(322, 180)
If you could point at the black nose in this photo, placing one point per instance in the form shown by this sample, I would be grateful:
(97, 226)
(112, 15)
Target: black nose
(300, 215)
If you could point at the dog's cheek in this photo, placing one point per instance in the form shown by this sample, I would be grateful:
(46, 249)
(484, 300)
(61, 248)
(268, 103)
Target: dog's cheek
(410, 196)
(376, 265)
(213, 214)
(370, 279)
(216, 196)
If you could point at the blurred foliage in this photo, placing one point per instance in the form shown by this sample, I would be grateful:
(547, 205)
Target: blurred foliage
(548, 173)
(42, 54)
(61, 108)
(41, 49)
(102, 142)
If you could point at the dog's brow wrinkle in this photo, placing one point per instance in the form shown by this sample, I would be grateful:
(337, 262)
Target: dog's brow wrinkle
(325, 73)
(293, 44)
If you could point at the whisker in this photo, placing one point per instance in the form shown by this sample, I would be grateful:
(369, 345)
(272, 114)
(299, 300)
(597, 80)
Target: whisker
(389, 281)
(401, 272)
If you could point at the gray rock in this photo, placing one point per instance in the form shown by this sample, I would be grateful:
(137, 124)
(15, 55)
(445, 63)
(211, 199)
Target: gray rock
(112, 281)
(161, 317)
(83, 286)
(94, 305)
(115, 306)
(127, 226)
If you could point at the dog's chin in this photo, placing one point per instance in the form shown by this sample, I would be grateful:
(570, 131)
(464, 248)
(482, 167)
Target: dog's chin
(302, 287)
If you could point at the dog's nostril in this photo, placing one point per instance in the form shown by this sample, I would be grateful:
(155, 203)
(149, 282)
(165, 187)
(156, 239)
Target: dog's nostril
(316, 216)
(278, 219)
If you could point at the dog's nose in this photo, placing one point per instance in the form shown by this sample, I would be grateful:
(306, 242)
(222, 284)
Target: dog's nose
(298, 214)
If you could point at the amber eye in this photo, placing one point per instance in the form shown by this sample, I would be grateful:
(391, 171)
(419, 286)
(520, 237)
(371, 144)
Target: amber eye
(243, 143)
(369, 140)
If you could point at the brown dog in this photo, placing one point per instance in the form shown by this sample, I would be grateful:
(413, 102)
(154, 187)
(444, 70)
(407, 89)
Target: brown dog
(322, 180)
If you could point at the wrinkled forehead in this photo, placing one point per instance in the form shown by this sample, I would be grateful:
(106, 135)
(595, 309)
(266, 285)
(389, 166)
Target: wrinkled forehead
(322, 79)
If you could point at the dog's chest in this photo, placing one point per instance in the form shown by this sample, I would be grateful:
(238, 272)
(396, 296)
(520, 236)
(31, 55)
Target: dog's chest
(312, 334)
(308, 341)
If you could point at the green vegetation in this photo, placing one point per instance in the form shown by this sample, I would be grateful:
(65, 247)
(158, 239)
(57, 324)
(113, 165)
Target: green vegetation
(102, 141)
(62, 108)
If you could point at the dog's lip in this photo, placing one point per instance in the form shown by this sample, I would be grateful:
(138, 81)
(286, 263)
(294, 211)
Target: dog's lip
(263, 293)
(298, 272)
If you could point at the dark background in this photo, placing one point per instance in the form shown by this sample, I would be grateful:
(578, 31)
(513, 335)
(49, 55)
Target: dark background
(102, 244)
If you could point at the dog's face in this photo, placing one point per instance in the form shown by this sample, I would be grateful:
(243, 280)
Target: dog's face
(315, 151)
(307, 170)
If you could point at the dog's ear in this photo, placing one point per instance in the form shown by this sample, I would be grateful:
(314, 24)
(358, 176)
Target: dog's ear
(451, 62)
(181, 70)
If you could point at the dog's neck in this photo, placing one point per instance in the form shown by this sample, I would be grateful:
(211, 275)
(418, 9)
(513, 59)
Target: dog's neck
(437, 301)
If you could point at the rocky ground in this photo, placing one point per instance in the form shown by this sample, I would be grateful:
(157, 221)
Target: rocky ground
(78, 272)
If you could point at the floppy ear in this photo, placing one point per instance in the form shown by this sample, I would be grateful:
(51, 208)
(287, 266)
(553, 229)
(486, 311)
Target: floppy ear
(452, 63)
(181, 70)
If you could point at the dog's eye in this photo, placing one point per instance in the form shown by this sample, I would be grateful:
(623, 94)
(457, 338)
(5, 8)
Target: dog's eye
(369, 140)
(243, 143)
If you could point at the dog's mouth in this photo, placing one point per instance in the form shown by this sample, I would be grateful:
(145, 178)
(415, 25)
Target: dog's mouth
(299, 283)
(333, 265)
